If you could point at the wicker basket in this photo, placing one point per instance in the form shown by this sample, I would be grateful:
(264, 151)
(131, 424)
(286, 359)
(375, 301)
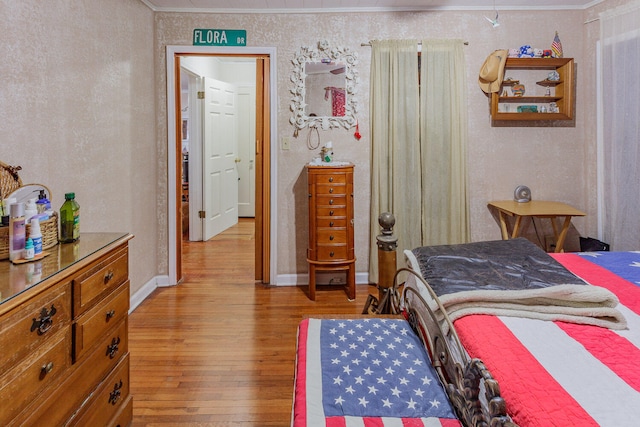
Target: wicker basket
(9, 182)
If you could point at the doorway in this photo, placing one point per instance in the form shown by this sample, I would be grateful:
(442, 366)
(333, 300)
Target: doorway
(265, 162)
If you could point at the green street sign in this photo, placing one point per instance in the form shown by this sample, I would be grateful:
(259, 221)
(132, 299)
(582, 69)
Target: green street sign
(203, 37)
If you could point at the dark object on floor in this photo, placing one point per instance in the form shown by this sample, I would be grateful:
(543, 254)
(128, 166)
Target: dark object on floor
(589, 244)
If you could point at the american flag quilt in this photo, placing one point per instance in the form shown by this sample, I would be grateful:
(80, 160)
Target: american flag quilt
(565, 374)
(366, 372)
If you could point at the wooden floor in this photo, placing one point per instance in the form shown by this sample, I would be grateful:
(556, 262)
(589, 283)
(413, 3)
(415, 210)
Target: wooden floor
(219, 349)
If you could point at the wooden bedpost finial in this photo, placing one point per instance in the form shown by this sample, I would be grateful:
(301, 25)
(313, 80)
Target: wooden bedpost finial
(386, 240)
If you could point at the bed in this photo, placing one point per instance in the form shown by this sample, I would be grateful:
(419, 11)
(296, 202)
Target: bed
(501, 363)
(581, 369)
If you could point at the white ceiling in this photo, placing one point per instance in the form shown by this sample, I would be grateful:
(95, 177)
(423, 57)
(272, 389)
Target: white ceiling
(317, 6)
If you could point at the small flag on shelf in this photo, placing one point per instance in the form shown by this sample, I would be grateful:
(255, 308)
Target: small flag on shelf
(556, 47)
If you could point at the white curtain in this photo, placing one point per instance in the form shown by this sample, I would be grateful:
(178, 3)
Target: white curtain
(418, 143)
(620, 145)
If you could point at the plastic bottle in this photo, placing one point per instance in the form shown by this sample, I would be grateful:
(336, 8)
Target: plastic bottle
(43, 203)
(30, 210)
(28, 249)
(17, 231)
(69, 219)
(36, 236)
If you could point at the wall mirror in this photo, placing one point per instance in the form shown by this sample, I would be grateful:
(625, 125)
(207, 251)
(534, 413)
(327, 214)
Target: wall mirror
(325, 83)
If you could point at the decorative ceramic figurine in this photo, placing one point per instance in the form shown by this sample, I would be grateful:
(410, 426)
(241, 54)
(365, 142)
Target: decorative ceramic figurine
(553, 76)
(525, 51)
(518, 90)
(514, 53)
(546, 53)
(537, 53)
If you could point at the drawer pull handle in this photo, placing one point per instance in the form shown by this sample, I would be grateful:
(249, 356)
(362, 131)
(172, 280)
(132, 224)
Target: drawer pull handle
(114, 396)
(331, 254)
(330, 237)
(46, 369)
(112, 349)
(330, 212)
(331, 224)
(330, 179)
(45, 322)
(331, 201)
(110, 314)
(108, 277)
(331, 190)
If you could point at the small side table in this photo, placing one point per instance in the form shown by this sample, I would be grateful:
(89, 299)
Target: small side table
(537, 209)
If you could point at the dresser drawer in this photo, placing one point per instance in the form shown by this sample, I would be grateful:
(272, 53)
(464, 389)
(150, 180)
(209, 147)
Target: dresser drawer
(329, 201)
(332, 252)
(98, 280)
(124, 415)
(333, 189)
(26, 381)
(109, 398)
(331, 222)
(83, 380)
(331, 212)
(93, 324)
(31, 325)
(330, 178)
(335, 236)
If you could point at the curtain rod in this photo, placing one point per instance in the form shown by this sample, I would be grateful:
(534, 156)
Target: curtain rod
(419, 44)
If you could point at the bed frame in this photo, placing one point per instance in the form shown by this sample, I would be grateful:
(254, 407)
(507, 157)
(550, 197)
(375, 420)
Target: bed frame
(473, 392)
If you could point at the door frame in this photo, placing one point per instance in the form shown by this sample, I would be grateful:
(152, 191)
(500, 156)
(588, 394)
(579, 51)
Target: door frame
(268, 205)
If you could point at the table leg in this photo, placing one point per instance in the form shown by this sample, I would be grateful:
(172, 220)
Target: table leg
(563, 233)
(312, 282)
(503, 225)
(516, 227)
(351, 282)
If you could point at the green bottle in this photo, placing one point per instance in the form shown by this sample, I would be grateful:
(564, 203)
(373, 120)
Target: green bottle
(69, 219)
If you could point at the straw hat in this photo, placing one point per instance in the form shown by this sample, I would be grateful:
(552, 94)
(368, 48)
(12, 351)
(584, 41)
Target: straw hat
(492, 71)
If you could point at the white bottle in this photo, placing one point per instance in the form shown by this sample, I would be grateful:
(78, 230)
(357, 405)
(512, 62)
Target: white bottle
(17, 231)
(36, 236)
(30, 210)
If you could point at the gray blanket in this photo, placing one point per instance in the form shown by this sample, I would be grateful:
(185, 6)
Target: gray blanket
(512, 278)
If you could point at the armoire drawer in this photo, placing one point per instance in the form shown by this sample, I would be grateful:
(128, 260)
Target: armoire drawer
(97, 321)
(331, 222)
(333, 189)
(329, 201)
(29, 326)
(332, 253)
(26, 381)
(331, 212)
(330, 178)
(99, 279)
(334, 236)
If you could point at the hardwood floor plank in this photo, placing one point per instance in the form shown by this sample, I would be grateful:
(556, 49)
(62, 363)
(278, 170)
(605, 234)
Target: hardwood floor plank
(219, 350)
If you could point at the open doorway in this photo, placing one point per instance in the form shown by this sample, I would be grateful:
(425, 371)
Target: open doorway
(265, 164)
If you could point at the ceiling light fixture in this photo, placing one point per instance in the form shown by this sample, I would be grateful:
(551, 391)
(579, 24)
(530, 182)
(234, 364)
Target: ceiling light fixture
(494, 22)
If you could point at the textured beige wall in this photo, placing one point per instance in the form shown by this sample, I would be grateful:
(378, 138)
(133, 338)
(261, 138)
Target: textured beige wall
(77, 112)
(550, 160)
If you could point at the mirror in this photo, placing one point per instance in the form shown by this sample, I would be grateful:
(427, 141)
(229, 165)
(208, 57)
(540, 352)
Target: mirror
(325, 80)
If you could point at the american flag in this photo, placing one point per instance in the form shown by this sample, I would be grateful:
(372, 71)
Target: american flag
(367, 372)
(556, 46)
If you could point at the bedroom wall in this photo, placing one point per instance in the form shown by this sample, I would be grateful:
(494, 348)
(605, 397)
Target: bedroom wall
(77, 112)
(551, 160)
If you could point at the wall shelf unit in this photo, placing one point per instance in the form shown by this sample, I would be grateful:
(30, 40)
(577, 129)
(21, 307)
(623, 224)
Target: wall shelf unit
(540, 90)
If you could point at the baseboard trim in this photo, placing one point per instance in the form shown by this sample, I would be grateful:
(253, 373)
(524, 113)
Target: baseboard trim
(147, 289)
(323, 278)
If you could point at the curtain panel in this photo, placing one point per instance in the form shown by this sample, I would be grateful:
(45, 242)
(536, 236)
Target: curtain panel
(619, 173)
(418, 143)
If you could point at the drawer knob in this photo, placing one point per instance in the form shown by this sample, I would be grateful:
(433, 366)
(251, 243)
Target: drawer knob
(330, 237)
(331, 201)
(330, 179)
(114, 396)
(330, 212)
(331, 254)
(108, 276)
(46, 369)
(331, 190)
(330, 223)
(112, 349)
(110, 314)
(45, 322)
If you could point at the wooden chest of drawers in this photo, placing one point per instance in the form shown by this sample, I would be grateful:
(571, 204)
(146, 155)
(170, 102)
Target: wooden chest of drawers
(331, 228)
(63, 335)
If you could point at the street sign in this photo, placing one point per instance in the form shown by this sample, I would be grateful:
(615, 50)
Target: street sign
(211, 37)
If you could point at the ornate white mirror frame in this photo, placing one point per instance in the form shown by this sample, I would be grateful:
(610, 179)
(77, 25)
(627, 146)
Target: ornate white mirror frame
(323, 53)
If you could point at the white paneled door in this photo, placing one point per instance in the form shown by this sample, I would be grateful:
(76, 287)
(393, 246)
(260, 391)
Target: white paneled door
(220, 146)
